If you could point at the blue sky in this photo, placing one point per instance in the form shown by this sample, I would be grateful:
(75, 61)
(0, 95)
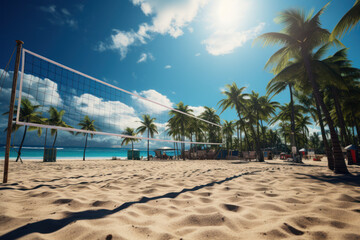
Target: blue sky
(184, 50)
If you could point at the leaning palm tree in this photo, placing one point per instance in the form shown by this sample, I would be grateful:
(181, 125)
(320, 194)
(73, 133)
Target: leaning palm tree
(88, 125)
(28, 113)
(300, 37)
(147, 124)
(56, 119)
(130, 132)
(347, 22)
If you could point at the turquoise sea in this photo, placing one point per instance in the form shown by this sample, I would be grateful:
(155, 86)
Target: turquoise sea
(64, 153)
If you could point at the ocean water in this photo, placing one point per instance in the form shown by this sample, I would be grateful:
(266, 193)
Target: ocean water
(64, 153)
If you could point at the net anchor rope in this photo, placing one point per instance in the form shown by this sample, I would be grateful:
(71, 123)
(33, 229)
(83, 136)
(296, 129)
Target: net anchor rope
(6, 70)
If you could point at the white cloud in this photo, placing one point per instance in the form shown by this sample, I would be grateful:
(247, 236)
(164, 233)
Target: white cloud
(142, 58)
(41, 91)
(149, 107)
(167, 67)
(197, 110)
(197, 54)
(65, 11)
(49, 9)
(169, 17)
(109, 113)
(226, 41)
(191, 30)
(59, 17)
(145, 56)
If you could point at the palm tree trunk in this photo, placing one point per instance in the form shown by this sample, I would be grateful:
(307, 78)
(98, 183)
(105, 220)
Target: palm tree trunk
(148, 145)
(356, 126)
(238, 136)
(243, 125)
(339, 162)
(240, 139)
(132, 150)
(54, 139)
(174, 151)
(263, 131)
(21, 144)
(45, 138)
(293, 139)
(86, 138)
(340, 115)
(329, 155)
(258, 148)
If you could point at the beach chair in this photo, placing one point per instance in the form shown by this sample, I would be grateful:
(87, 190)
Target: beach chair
(165, 156)
(211, 154)
(245, 155)
(201, 154)
(248, 156)
(158, 154)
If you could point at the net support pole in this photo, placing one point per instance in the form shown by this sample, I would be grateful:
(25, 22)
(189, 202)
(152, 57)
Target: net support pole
(11, 110)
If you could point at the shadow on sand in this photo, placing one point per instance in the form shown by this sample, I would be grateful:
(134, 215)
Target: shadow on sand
(351, 179)
(52, 225)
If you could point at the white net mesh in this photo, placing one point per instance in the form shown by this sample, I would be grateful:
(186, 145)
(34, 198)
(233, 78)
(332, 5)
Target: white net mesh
(52, 85)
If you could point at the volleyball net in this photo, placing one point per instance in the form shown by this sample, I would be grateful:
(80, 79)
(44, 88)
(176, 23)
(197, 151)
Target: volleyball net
(64, 97)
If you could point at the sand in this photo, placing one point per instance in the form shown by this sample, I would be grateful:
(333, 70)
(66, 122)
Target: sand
(178, 200)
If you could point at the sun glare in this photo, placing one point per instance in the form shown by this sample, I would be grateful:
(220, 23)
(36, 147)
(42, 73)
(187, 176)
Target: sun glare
(229, 14)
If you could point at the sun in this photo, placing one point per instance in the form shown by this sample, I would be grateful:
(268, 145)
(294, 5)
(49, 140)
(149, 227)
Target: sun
(229, 14)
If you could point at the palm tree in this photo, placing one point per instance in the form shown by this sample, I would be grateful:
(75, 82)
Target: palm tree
(267, 109)
(277, 85)
(235, 99)
(315, 142)
(210, 115)
(130, 132)
(56, 119)
(300, 37)
(149, 126)
(174, 131)
(228, 131)
(181, 120)
(28, 113)
(347, 22)
(88, 125)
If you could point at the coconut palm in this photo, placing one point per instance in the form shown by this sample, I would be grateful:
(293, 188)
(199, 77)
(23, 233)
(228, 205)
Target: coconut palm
(88, 125)
(235, 99)
(267, 109)
(228, 131)
(174, 131)
(310, 106)
(181, 120)
(28, 113)
(347, 22)
(315, 141)
(210, 115)
(339, 90)
(56, 119)
(147, 125)
(130, 132)
(300, 36)
(277, 85)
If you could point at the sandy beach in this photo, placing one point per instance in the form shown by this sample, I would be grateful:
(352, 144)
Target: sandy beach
(179, 200)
